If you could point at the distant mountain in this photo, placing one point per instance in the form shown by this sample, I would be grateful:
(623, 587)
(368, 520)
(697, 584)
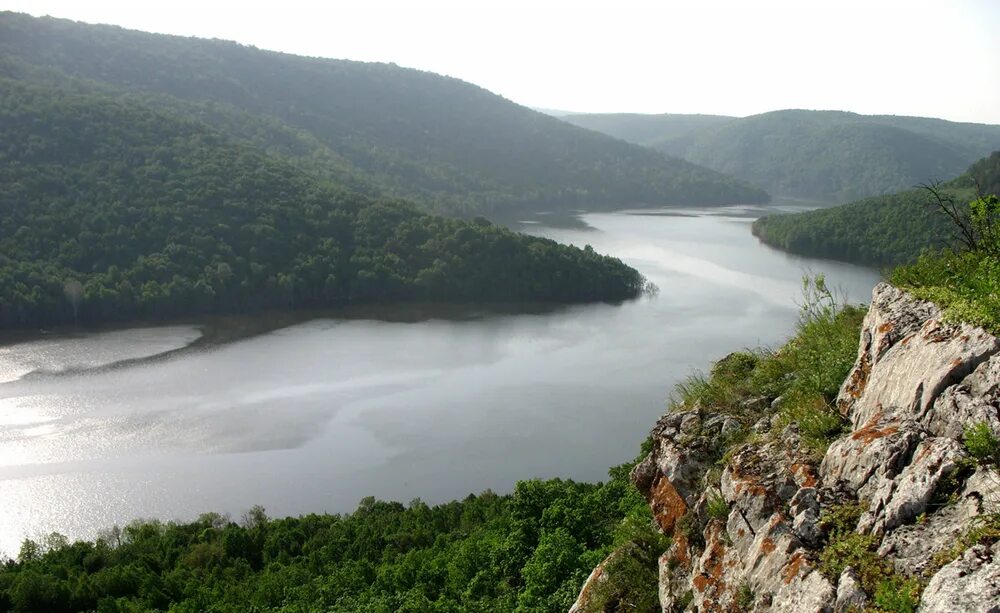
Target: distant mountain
(378, 128)
(883, 230)
(824, 155)
(664, 132)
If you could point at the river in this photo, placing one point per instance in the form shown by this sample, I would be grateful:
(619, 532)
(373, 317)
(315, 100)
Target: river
(310, 414)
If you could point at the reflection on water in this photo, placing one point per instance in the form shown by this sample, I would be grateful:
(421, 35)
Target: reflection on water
(65, 354)
(427, 401)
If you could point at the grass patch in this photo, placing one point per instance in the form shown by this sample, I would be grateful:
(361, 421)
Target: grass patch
(845, 547)
(965, 285)
(745, 597)
(716, 506)
(806, 372)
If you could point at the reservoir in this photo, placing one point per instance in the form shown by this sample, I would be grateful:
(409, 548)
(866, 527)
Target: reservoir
(312, 412)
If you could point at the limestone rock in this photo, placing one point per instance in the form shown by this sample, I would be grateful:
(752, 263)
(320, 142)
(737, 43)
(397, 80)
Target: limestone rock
(759, 481)
(908, 357)
(891, 317)
(596, 577)
(805, 508)
(670, 477)
(976, 399)
(911, 548)
(808, 593)
(876, 452)
(675, 573)
(969, 584)
(900, 500)
(850, 596)
(718, 574)
(916, 383)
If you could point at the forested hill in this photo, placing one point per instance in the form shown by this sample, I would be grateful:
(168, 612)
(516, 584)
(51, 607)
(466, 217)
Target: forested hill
(444, 143)
(880, 231)
(112, 210)
(824, 155)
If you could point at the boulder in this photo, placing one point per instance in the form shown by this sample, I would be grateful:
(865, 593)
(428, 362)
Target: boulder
(872, 454)
(976, 399)
(970, 584)
(901, 499)
(907, 358)
(850, 596)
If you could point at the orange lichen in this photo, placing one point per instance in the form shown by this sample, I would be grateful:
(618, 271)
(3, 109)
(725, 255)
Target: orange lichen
(666, 503)
(793, 567)
(886, 327)
(680, 551)
(767, 545)
(870, 431)
(710, 580)
(856, 383)
(806, 476)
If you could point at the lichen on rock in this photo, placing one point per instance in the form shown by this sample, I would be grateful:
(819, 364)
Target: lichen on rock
(916, 384)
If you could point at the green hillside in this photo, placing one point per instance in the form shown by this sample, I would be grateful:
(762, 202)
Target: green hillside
(880, 231)
(114, 210)
(447, 144)
(823, 155)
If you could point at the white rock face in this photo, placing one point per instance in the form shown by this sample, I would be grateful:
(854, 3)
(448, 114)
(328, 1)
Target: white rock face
(916, 384)
(850, 596)
(900, 500)
(970, 584)
(907, 358)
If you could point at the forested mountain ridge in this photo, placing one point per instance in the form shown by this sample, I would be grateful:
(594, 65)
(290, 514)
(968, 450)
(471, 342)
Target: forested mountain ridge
(825, 155)
(880, 231)
(446, 144)
(113, 210)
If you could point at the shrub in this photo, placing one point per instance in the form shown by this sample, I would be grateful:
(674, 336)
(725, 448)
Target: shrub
(898, 595)
(982, 444)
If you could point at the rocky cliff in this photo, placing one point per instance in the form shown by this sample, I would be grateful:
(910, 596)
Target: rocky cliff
(898, 513)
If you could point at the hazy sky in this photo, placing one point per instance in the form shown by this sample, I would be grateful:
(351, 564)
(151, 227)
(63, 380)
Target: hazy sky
(911, 57)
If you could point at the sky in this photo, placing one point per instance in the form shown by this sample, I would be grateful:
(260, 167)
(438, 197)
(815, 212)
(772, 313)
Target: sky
(739, 57)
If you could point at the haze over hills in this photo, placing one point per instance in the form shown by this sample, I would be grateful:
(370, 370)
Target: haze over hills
(115, 210)
(882, 230)
(382, 129)
(824, 155)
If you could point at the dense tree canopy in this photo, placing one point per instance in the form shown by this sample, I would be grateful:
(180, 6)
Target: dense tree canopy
(527, 551)
(881, 231)
(154, 214)
(824, 155)
(382, 129)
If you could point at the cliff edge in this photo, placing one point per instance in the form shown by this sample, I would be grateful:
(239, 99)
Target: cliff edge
(897, 514)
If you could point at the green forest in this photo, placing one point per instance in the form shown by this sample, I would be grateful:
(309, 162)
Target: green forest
(526, 551)
(880, 231)
(379, 129)
(114, 210)
(831, 156)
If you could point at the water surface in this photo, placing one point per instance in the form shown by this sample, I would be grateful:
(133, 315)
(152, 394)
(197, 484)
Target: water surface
(102, 428)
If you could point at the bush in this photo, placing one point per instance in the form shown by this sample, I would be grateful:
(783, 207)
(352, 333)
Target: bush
(982, 444)
(898, 595)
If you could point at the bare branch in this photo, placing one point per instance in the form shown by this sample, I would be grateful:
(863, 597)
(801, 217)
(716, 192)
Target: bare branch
(947, 204)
